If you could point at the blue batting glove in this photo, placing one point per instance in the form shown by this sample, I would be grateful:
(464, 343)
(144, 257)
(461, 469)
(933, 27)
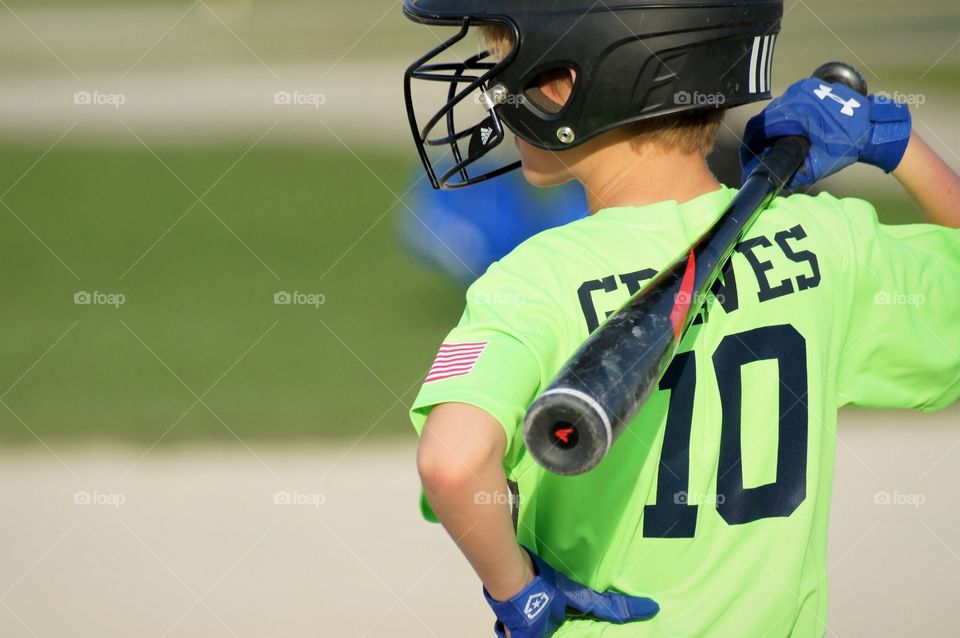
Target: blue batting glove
(540, 608)
(843, 127)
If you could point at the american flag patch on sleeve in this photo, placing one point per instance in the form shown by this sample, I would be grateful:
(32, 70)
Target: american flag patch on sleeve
(455, 360)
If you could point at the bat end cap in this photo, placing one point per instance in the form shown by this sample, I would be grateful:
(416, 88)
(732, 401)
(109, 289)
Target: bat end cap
(567, 432)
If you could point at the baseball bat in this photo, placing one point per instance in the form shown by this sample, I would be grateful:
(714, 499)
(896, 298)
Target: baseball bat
(572, 424)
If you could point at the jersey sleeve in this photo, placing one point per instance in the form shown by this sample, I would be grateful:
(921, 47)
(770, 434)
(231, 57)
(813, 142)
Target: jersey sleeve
(902, 345)
(493, 358)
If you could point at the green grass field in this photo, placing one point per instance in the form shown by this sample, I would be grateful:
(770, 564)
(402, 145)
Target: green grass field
(199, 299)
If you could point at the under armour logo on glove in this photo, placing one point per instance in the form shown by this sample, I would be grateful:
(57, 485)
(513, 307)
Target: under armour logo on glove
(825, 92)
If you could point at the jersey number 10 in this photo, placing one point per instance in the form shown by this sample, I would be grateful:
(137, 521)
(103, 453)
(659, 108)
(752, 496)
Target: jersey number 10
(673, 516)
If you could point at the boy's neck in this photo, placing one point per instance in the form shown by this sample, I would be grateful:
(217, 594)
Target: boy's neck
(621, 175)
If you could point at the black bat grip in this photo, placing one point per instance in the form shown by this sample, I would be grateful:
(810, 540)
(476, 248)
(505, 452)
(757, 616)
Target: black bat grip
(782, 159)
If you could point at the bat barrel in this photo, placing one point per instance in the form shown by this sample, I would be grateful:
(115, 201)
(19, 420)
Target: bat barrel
(571, 426)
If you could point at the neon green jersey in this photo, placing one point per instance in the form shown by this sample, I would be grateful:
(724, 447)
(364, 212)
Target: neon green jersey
(714, 502)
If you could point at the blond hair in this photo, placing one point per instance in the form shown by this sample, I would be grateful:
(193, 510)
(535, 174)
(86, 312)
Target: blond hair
(497, 39)
(689, 132)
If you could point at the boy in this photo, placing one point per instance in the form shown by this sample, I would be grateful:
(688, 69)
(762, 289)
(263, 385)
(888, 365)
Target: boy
(714, 502)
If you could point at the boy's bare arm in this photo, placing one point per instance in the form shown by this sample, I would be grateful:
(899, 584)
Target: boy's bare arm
(931, 183)
(460, 460)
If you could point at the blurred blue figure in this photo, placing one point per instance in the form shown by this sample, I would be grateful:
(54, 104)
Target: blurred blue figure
(461, 232)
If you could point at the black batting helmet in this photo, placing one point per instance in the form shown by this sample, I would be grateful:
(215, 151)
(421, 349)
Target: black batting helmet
(634, 60)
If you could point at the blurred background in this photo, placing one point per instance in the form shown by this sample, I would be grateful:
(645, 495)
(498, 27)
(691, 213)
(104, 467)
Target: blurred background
(222, 279)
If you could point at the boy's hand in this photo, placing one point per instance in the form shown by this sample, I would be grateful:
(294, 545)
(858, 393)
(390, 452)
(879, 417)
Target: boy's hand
(843, 127)
(539, 609)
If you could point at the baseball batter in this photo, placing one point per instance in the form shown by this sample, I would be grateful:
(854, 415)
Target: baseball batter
(709, 518)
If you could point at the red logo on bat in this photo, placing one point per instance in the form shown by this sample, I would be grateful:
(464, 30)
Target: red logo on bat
(681, 304)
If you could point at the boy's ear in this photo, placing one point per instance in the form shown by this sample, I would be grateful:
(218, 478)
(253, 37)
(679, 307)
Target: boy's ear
(557, 85)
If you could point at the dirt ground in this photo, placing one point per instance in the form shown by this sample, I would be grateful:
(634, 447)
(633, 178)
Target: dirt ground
(327, 540)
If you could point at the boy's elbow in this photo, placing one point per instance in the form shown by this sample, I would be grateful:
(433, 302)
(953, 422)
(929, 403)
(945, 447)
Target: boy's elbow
(444, 471)
(454, 453)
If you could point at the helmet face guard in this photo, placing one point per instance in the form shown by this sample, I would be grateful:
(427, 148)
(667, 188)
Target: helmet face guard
(473, 75)
(634, 60)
